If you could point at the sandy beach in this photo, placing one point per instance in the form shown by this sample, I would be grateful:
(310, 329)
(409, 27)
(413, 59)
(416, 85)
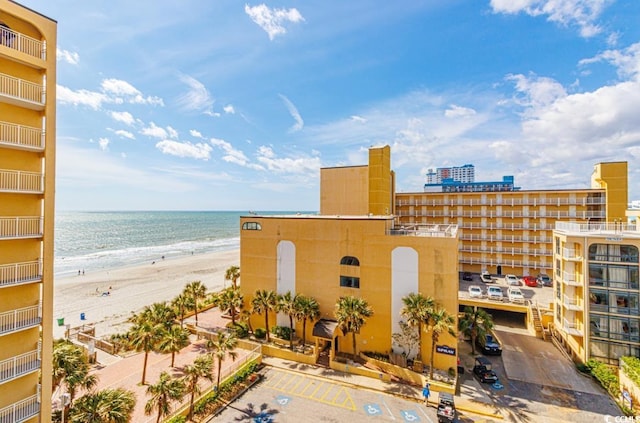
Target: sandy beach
(132, 288)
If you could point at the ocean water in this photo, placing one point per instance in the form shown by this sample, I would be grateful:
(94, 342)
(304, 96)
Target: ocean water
(87, 241)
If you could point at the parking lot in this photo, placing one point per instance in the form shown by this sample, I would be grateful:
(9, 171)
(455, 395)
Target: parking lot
(284, 396)
(538, 295)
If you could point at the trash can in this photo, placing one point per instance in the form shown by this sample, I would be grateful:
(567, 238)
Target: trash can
(61, 321)
(82, 317)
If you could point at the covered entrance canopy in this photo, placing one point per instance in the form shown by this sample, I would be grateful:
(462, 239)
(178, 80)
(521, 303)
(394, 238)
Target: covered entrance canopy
(325, 329)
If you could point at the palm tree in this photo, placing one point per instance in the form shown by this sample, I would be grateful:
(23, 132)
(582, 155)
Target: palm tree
(231, 300)
(173, 340)
(438, 322)
(167, 389)
(196, 291)
(416, 309)
(287, 304)
(144, 336)
(475, 323)
(71, 367)
(106, 406)
(245, 316)
(222, 346)
(307, 308)
(232, 274)
(352, 313)
(264, 301)
(202, 367)
(182, 304)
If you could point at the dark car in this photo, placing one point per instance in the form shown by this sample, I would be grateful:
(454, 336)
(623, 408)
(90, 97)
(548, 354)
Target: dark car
(467, 276)
(488, 345)
(483, 371)
(446, 408)
(544, 280)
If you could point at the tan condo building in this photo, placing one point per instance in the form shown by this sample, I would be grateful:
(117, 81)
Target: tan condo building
(506, 232)
(597, 310)
(27, 186)
(353, 247)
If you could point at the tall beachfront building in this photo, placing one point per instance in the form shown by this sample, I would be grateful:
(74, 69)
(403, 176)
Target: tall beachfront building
(597, 301)
(353, 247)
(464, 173)
(27, 186)
(511, 231)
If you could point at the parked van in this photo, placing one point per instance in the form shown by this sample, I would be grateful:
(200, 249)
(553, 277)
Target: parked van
(515, 295)
(495, 293)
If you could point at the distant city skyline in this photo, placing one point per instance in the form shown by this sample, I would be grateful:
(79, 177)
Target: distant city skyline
(199, 105)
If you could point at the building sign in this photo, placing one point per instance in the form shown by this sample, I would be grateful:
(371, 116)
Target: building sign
(614, 238)
(443, 349)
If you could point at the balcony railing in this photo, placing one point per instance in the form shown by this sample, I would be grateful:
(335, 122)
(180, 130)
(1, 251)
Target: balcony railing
(19, 319)
(446, 231)
(19, 136)
(22, 90)
(570, 279)
(20, 273)
(19, 181)
(508, 251)
(572, 303)
(428, 200)
(21, 411)
(572, 327)
(20, 227)
(570, 254)
(611, 229)
(23, 43)
(19, 365)
(505, 263)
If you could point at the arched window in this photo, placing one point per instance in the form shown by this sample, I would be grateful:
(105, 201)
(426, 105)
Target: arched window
(350, 261)
(251, 226)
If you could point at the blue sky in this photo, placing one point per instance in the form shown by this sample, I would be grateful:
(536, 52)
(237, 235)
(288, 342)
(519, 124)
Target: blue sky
(224, 105)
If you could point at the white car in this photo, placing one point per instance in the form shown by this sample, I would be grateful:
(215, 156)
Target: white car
(512, 280)
(515, 295)
(485, 277)
(475, 291)
(495, 293)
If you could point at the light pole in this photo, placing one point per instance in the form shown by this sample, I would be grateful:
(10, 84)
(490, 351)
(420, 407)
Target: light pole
(66, 400)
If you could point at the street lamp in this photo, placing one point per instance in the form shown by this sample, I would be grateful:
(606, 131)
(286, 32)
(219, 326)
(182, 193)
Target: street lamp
(66, 400)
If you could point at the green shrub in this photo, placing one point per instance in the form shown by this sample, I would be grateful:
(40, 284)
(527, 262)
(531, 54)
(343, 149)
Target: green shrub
(377, 356)
(177, 419)
(606, 376)
(282, 332)
(260, 333)
(240, 329)
(631, 368)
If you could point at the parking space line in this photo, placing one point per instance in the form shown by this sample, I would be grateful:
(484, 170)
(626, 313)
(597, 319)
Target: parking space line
(323, 392)
(291, 379)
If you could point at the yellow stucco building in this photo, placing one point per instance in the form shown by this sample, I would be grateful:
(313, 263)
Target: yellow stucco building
(27, 186)
(597, 289)
(511, 231)
(353, 247)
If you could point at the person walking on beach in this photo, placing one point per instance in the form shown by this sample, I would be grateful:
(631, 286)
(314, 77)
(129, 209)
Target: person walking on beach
(426, 393)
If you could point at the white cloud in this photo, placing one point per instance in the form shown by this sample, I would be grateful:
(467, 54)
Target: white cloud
(125, 134)
(197, 98)
(114, 91)
(124, 117)
(272, 20)
(294, 165)
(233, 155)
(458, 111)
(154, 131)
(195, 134)
(172, 132)
(536, 91)
(294, 114)
(200, 151)
(229, 109)
(582, 13)
(358, 119)
(626, 61)
(70, 57)
(103, 143)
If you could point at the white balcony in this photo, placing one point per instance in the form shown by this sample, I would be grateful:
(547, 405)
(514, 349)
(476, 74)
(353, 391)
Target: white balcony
(570, 279)
(21, 182)
(21, 137)
(21, 411)
(572, 327)
(572, 303)
(20, 273)
(570, 255)
(23, 43)
(19, 365)
(20, 227)
(21, 93)
(19, 319)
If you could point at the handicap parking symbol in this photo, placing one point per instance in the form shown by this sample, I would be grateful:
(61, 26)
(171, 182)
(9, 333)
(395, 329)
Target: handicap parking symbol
(282, 400)
(263, 418)
(410, 416)
(372, 409)
(497, 385)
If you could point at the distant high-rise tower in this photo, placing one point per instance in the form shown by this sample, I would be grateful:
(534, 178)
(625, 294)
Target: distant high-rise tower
(464, 173)
(27, 187)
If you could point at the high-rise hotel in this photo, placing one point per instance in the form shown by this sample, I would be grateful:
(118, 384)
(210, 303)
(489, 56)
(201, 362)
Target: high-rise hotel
(27, 187)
